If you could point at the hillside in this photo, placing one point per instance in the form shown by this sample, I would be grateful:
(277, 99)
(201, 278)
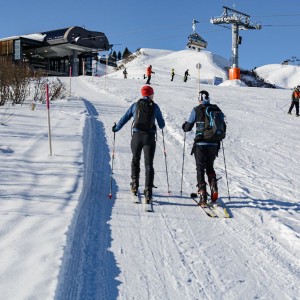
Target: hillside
(280, 76)
(63, 238)
(283, 76)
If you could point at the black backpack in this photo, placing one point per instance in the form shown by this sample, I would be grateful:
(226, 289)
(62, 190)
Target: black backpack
(144, 115)
(210, 124)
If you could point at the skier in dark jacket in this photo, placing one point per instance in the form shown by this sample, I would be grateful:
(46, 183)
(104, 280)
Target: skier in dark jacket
(186, 74)
(142, 140)
(295, 101)
(125, 73)
(205, 152)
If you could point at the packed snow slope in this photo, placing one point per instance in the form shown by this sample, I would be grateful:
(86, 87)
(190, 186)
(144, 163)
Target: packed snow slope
(283, 76)
(164, 60)
(63, 238)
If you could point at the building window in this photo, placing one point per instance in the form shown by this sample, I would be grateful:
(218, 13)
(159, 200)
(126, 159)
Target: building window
(18, 50)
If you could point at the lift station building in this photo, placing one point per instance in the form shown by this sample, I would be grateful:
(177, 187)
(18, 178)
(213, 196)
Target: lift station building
(56, 52)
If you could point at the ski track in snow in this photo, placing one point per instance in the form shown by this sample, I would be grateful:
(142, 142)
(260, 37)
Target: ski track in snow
(119, 251)
(89, 270)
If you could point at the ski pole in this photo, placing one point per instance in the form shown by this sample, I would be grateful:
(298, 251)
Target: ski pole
(226, 171)
(182, 162)
(112, 166)
(169, 192)
(284, 105)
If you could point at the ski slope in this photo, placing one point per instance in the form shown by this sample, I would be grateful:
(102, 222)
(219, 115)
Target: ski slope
(64, 239)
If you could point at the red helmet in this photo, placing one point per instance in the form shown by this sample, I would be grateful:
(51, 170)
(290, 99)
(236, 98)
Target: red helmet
(147, 91)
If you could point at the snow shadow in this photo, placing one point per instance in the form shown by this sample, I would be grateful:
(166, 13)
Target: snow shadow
(6, 150)
(263, 204)
(89, 269)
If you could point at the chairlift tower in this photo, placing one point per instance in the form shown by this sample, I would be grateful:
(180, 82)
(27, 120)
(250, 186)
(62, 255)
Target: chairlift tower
(239, 21)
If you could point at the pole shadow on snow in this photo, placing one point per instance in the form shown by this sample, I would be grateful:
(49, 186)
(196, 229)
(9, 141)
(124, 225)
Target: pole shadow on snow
(89, 269)
(263, 204)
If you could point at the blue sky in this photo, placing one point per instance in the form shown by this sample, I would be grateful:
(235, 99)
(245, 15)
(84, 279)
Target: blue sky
(166, 24)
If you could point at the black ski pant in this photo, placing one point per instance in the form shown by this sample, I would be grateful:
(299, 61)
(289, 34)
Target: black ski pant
(146, 142)
(296, 104)
(205, 157)
(148, 80)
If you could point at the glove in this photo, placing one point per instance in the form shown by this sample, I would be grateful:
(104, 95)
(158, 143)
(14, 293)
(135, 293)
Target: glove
(114, 128)
(183, 126)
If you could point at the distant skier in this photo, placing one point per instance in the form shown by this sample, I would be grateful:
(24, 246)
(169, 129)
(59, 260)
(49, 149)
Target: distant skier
(295, 101)
(186, 74)
(149, 72)
(206, 144)
(144, 113)
(172, 74)
(125, 73)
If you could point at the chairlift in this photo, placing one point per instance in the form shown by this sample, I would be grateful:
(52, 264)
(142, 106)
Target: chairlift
(195, 41)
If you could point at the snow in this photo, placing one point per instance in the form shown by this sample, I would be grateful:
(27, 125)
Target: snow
(283, 76)
(35, 36)
(62, 238)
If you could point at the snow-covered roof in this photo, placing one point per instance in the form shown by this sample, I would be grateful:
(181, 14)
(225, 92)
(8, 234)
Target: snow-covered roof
(34, 36)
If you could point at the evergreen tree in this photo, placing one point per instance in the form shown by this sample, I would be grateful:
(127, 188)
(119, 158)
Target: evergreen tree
(126, 53)
(119, 55)
(114, 55)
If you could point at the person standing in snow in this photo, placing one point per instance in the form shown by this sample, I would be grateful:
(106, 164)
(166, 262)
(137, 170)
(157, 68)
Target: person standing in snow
(144, 113)
(149, 72)
(186, 74)
(172, 74)
(125, 73)
(205, 151)
(295, 100)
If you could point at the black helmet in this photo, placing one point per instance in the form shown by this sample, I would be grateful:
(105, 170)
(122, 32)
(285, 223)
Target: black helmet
(203, 95)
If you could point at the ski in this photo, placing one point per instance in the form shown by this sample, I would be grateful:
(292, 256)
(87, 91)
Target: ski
(136, 197)
(207, 209)
(148, 207)
(220, 209)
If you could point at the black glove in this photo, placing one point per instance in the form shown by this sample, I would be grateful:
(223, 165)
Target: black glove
(114, 128)
(183, 126)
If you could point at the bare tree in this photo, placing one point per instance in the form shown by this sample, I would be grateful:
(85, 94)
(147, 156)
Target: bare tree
(19, 82)
(4, 82)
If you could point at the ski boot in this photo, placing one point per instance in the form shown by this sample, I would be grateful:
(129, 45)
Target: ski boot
(148, 198)
(202, 194)
(135, 192)
(213, 188)
(134, 187)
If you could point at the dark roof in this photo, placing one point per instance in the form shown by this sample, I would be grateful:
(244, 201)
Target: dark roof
(55, 34)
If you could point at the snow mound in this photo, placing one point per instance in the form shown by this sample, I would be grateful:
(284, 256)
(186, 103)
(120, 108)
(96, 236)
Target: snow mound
(234, 83)
(163, 61)
(283, 76)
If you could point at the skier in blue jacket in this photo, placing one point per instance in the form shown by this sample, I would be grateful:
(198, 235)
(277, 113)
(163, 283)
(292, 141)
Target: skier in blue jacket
(144, 113)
